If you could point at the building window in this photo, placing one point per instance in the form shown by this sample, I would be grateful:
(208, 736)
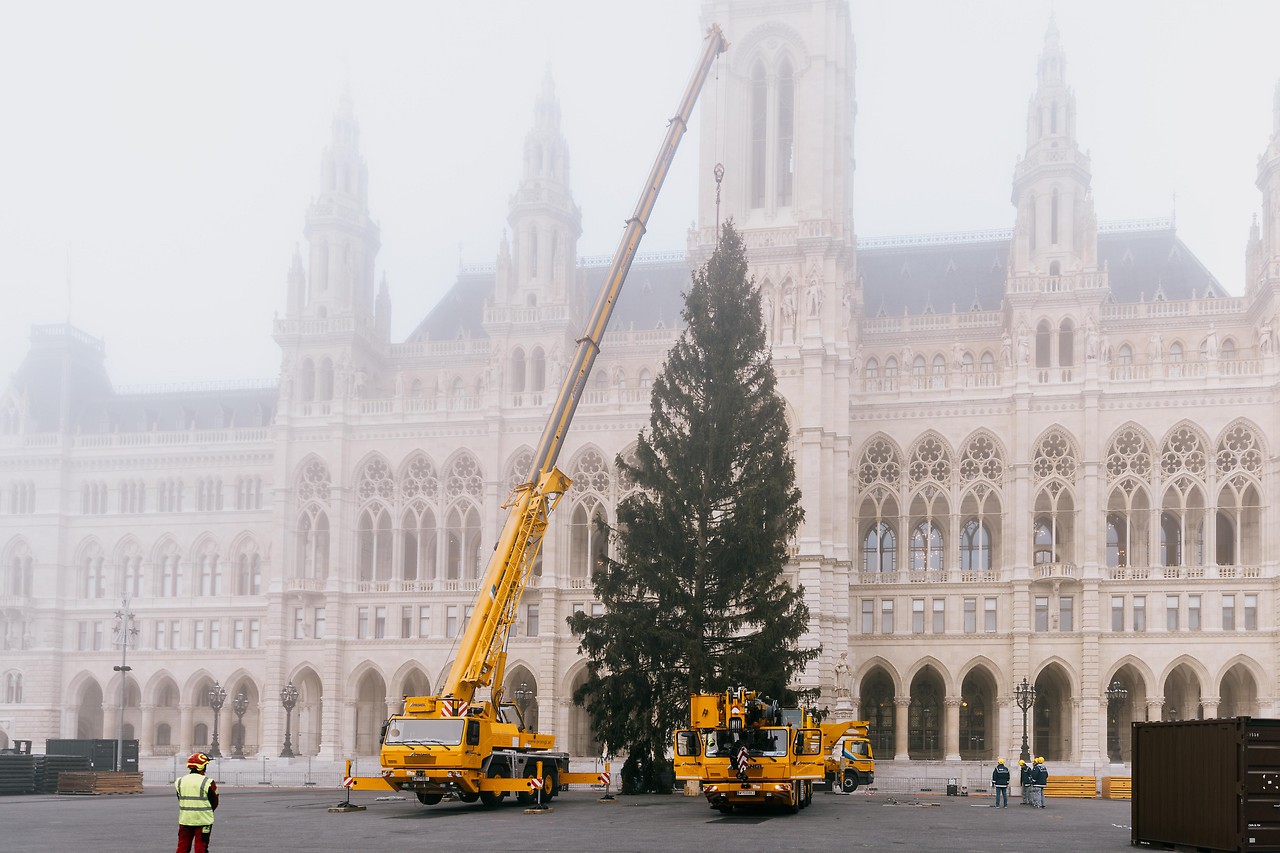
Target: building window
(1193, 613)
(886, 616)
(379, 623)
(1228, 612)
(917, 615)
(237, 633)
(255, 633)
(1251, 612)
(215, 634)
(424, 621)
(406, 622)
(975, 547)
(319, 623)
(451, 621)
(597, 609)
(1171, 603)
(926, 547)
(97, 636)
(1139, 613)
(13, 688)
(1066, 613)
(197, 638)
(531, 620)
(1042, 613)
(161, 637)
(989, 615)
(784, 175)
(868, 616)
(939, 616)
(879, 549)
(1117, 613)
(970, 615)
(362, 623)
(759, 129)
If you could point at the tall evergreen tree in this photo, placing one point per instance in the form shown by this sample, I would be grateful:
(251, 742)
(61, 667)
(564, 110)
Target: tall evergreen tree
(696, 599)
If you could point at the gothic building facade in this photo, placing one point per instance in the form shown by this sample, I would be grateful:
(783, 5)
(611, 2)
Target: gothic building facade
(1043, 453)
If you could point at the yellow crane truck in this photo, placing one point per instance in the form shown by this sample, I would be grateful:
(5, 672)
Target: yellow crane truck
(851, 764)
(460, 742)
(746, 752)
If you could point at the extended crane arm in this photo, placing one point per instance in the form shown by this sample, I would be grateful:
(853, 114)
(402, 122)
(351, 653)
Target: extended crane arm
(481, 651)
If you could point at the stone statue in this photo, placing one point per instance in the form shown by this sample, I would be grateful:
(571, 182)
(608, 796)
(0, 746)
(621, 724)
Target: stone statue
(1211, 344)
(399, 383)
(843, 676)
(1024, 345)
(857, 360)
(1091, 339)
(1265, 338)
(957, 355)
(846, 308)
(789, 309)
(1155, 347)
(814, 297)
(766, 308)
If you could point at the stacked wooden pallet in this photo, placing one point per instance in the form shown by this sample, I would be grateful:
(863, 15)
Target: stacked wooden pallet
(99, 783)
(1117, 788)
(17, 774)
(49, 766)
(1083, 787)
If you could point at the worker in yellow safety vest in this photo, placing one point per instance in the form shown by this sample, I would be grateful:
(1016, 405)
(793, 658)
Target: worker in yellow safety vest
(197, 799)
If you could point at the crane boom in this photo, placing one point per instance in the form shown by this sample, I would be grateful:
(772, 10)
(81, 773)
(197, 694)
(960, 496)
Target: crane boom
(481, 651)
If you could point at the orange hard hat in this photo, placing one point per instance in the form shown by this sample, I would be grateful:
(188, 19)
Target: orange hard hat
(198, 760)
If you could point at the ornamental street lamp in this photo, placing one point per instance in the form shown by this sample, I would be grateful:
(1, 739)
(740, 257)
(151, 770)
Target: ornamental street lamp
(1025, 695)
(125, 632)
(288, 698)
(217, 698)
(240, 704)
(523, 697)
(1116, 694)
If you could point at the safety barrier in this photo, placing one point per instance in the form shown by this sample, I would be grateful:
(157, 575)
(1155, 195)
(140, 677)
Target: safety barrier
(1117, 788)
(1081, 787)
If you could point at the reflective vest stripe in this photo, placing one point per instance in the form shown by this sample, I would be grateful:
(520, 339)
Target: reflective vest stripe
(194, 808)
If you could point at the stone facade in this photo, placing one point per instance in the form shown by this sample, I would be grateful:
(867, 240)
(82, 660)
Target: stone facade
(1046, 453)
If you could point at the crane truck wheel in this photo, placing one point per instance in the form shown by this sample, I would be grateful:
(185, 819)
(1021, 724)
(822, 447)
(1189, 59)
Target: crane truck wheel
(526, 798)
(553, 782)
(492, 798)
(429, 799)
(468, 797)
(850, 783)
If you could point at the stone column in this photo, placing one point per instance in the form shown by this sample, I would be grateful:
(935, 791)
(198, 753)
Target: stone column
(70, 721)
(185, 734)
(951, 728)
(1210, 704)
(110, 721)
(1155, 709)
(900, 722)
(146, 734)
(346, 740)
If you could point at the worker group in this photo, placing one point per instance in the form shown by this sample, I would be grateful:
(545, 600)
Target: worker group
(1032, 778)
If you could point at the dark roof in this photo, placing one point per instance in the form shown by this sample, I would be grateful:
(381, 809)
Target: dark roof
(63, 358)
(935, 276)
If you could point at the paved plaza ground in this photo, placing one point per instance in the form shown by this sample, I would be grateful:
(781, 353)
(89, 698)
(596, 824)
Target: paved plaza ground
(272, 819)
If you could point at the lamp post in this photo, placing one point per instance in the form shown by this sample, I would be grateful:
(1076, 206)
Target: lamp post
(1024, 694)
(1116, 693)
(217, 698)
(523, 696)
(240, 704)
(288, 698)
(124, 632)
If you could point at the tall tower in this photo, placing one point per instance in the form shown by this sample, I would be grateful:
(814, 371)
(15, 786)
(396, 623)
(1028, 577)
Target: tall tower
(1264, 243)
(343, 240)
(1056, 231)
(538, 266)
(336, 327)
(779, 118)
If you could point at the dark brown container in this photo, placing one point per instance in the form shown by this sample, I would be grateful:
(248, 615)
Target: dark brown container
(1208, 784)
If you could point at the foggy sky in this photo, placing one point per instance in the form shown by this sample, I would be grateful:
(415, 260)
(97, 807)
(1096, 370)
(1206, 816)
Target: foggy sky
(160, 156)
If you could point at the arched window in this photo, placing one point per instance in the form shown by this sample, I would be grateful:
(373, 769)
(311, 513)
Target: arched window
(988, 364)
(588, 542)
(645, 379)
(517, 370)
(1117, 540)
(926, 547)
(163, 734)
(1066, 343)
(324, 381)
(1044, 341)
(312, 552)
(374, 544)
(891, 367)
(538, 370)
(784, 176)
(759, 129)
(880, 549)
(1045, 551)
(1170, 539)
(462, 542)
(418, 551)
(975, 547)
(13, 688)
(248, 574)
(939, 379)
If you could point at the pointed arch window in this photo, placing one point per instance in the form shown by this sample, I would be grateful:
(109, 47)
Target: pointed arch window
(1045, 544)
(418, 541)
(462, 543)
(784, 170)
(248, 574)
(1118, 545)
(517, 370)
(1066, 343)
(975, 546)
(926, 547)
(374, 544)
(588, 539)
(1044, 343)
(880, 549)
(312, 553)
(537, 370)
(759, 130)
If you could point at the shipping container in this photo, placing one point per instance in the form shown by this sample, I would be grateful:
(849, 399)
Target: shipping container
(100, 752)
(1208, 784)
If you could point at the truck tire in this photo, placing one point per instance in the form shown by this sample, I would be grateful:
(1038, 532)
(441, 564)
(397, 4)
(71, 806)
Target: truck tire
(850, 783)
(492, 798)
(793, 807)
(429, 799)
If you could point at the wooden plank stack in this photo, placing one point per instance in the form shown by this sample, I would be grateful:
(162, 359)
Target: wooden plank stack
(94, 782)
(1080, 787)
(1117, 788)
(17, 774)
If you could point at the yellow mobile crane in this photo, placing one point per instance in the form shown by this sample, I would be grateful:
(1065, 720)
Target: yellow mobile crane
(746, 752)
(482, 750)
